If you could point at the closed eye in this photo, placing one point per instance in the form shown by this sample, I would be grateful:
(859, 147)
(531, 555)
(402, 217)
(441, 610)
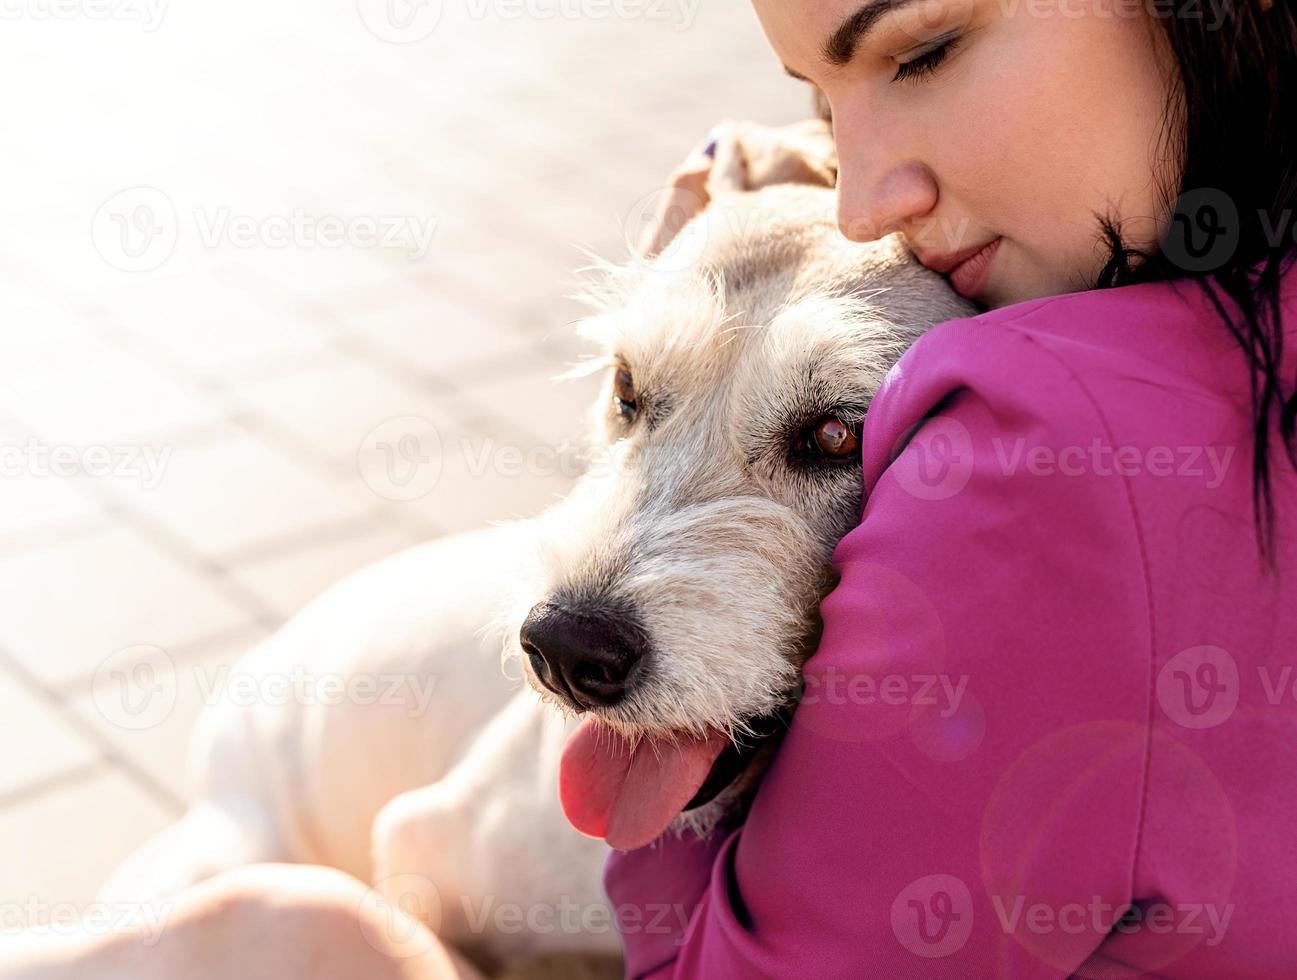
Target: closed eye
(926, 63)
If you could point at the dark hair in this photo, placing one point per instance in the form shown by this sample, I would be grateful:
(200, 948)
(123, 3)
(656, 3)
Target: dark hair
(1228, 119)
(1237, 198)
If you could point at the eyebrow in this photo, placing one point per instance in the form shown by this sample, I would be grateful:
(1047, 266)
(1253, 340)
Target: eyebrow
(841, 45)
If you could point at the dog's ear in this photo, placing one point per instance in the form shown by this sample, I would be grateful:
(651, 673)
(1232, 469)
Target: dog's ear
(749, 156)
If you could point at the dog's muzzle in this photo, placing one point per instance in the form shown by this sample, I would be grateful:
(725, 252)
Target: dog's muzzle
(589, 658)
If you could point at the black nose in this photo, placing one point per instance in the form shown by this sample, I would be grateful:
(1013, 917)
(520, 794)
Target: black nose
(586, 657)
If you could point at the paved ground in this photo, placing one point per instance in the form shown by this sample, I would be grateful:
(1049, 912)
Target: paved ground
(253, 254)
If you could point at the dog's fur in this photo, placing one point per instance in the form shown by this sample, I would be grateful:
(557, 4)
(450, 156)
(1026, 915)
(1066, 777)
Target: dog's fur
(694, 516)
(697, 522)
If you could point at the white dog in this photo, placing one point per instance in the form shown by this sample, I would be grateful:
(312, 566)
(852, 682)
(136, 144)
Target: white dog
(664, 606)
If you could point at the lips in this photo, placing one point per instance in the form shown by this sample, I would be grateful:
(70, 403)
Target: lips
(968, 269)
(969, 277)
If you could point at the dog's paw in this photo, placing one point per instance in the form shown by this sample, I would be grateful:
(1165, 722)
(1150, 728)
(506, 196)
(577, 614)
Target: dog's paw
(398, 837)
(403, 875)
(424, 836)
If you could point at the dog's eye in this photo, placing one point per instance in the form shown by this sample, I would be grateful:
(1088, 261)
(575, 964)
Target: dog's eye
(830, 438)
(623, 394)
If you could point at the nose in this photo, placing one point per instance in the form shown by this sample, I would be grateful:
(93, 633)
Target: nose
(588, 658)
(878, 196)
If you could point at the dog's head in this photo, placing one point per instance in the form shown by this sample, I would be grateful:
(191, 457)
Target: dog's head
(680, 580)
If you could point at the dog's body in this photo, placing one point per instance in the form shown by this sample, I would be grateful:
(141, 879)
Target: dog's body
(303, 781)
(696, 525)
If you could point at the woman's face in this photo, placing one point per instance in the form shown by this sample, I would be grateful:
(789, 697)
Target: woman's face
(1037, 115)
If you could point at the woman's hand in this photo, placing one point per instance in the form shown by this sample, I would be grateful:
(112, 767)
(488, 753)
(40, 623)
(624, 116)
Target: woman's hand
(742, 156)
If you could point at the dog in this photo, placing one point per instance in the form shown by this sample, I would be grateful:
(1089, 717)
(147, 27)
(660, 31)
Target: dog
(661, 611)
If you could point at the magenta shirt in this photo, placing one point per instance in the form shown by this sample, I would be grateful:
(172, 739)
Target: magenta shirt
(1053, 684)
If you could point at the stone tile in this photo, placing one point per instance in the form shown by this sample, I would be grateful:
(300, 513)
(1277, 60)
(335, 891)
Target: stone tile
(522, 454)
(517, 272)
(33, 496)
(438, 335)
(288, 582)
(35, 742)
(467, 476)
(67, 607)
(232, 331)
(550, 411)
(347, 310)
(242, 492)
(61, 846)
(105, 399)
(159, 744)
(34, 322)
(332, 404)
(312, 274)
(31, 503)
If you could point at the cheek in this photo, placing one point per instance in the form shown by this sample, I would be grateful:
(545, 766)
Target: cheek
(1072, 132)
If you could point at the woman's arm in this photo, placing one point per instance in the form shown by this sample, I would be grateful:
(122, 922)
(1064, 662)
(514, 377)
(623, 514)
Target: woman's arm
(959, 794)
(293, 922)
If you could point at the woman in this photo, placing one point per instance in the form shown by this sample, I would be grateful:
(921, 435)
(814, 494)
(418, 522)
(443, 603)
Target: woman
(1080, 522)
(1080, 529)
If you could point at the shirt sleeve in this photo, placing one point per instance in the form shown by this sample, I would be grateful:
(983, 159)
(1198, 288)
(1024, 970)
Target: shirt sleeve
(959, 793)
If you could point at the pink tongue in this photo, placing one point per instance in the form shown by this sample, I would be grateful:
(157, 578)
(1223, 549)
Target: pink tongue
(629, 798)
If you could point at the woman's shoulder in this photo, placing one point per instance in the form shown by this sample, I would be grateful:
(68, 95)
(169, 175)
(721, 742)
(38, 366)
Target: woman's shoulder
(1028, 369)
(1149, 364)
(1124, 409)
(1156, 331)
(1168, 333)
